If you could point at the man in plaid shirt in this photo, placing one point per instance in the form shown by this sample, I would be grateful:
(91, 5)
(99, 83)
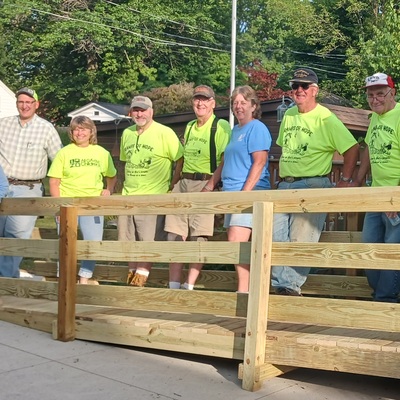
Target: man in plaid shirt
(27, 142)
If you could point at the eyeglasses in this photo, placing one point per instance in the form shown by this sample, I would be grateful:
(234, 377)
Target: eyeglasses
(304, 86)
(27, 103)
(202, 99)
(378, 97)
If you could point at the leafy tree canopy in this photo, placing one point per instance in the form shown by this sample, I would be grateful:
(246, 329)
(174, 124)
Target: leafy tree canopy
(76, 51)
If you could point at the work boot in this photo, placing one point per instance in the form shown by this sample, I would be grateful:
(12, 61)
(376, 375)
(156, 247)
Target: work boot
(138, 280)
(130, 276)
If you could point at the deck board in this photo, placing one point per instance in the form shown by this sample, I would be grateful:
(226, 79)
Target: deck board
(336, 349)
(287, 344)
(198, 333)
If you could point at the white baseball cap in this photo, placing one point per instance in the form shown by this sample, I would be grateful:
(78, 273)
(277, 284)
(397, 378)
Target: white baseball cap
(379, 79)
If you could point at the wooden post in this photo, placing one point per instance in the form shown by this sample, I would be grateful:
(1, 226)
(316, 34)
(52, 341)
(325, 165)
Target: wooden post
(67, 273)
(257, 309)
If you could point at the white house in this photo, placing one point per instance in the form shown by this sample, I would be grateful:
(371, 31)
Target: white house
(102, 112)
(8, 105)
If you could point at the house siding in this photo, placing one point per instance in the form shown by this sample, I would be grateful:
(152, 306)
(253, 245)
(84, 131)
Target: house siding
(7, 102)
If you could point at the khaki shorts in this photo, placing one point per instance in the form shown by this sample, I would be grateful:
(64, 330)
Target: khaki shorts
(190, 225)
(138, 228)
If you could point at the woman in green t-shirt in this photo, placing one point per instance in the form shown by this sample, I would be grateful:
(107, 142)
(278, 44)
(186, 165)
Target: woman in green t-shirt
(78, 171)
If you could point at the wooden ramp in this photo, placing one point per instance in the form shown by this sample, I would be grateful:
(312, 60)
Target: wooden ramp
(139, 317)
(334, 349)
(188, 333)
(218, 336)
(271, 334)
(288, 345)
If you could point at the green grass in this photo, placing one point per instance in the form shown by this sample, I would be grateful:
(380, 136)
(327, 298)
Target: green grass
(47, 222)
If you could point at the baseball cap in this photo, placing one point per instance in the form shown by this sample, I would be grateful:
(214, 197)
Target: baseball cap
(305, 75)
(141, 102)
(29, 92)
(379, 79)
(203, 90)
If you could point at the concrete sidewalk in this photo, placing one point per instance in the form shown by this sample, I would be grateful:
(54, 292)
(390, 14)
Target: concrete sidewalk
(33, 366)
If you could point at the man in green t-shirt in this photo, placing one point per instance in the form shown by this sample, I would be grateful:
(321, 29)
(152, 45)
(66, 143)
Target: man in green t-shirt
(205, 140)
(149, 150)
(382, 156)
(309, 136)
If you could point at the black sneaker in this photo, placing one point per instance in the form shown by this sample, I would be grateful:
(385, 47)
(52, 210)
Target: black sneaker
(286, 292)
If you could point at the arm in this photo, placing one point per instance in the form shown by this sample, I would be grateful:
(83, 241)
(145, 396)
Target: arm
(350, 160)
(259, 160)
(121, 172)
(109, 190)
(3, 184)
(53, 144)
(365, 166)
(54, 184)
(215, 179)
(177, 173)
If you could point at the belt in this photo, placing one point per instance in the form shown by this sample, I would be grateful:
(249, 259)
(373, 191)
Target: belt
(291, 179)
(196, 176)
(23, 182)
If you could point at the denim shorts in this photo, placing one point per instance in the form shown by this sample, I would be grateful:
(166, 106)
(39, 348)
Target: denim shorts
(244, 220)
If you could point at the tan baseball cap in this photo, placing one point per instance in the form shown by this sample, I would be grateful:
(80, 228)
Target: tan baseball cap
(203, 90)
(141, 102)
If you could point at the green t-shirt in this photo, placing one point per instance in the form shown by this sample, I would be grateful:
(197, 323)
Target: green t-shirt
(309, 140)
(197, 145)
(383, 140)
(81, 170)
(149, 158)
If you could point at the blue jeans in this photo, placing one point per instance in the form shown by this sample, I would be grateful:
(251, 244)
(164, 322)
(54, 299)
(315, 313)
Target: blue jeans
(17, 226)
(92, 229)
(384, 283)
(299, 227)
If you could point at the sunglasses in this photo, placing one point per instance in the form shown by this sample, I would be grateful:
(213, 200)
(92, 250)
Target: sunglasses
(304, 86)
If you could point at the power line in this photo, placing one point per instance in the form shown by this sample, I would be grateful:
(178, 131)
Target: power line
(334, 68)
(158, 17)
(335, 55)
(145, 37)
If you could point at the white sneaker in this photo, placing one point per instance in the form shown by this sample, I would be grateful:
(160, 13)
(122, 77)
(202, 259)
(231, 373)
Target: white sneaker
(26, 275)
(185, 286)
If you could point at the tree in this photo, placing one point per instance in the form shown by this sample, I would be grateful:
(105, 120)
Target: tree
(284, 34)
(376, 51)
(263, 82)
(76, 51)
(173, 98)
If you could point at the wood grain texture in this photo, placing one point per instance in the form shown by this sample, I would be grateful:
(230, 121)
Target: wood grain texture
(297, 201)
(281, 332)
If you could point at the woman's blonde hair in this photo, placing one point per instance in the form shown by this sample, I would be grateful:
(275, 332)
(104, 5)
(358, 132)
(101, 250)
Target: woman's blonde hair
(250, 95)
(82, 121)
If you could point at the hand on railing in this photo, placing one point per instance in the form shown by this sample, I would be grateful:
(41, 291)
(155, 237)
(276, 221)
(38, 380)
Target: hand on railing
(105, 192)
